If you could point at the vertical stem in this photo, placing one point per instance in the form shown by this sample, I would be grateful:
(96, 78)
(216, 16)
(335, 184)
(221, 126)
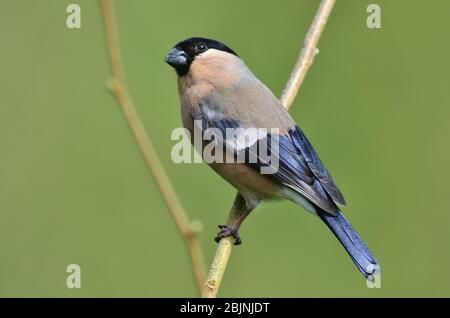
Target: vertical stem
(307, 53)
(291, 89)
(223, 252)
(119, 88)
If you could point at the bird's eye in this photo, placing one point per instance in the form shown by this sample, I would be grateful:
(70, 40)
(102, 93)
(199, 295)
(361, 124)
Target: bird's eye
(201, 47)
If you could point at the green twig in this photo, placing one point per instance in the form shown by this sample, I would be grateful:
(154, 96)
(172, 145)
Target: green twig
(291, 89)
(120, 90)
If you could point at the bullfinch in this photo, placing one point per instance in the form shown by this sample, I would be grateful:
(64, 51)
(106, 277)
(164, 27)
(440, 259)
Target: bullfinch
(218, 91)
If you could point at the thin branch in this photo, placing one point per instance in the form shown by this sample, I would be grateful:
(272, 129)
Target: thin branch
(291, 89)
(223, 252)
(218, 267)
(119, 88)
(307, 53)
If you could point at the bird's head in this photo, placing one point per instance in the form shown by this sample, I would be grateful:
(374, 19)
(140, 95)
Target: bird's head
(184, 53)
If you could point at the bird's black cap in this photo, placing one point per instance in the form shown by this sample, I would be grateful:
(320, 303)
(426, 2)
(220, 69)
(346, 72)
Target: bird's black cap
(184, 52)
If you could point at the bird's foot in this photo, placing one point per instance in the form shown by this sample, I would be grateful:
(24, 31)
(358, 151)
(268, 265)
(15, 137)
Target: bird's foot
(226, 231)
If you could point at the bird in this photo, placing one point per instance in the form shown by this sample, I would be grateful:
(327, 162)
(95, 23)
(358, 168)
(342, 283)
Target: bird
(218, 91)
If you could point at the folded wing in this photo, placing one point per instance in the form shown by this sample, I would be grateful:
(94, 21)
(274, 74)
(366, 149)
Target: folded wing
(299, 167)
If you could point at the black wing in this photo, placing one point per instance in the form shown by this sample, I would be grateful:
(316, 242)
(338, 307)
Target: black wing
(299, 166)
(316, 166)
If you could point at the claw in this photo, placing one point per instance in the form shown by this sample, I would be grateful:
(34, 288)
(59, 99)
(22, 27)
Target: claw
(227, 231)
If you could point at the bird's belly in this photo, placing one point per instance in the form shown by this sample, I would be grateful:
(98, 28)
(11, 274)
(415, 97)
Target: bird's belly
(247, 181)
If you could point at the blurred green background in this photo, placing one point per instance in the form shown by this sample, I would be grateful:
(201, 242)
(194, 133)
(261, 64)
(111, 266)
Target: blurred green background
(75, 189)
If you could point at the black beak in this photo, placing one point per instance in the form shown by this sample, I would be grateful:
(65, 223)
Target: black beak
(176, 58)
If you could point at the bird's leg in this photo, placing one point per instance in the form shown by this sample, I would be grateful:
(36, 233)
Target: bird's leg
(238, 214)
(232, 229)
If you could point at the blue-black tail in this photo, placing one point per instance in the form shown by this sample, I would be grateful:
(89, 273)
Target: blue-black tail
(349, 238)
